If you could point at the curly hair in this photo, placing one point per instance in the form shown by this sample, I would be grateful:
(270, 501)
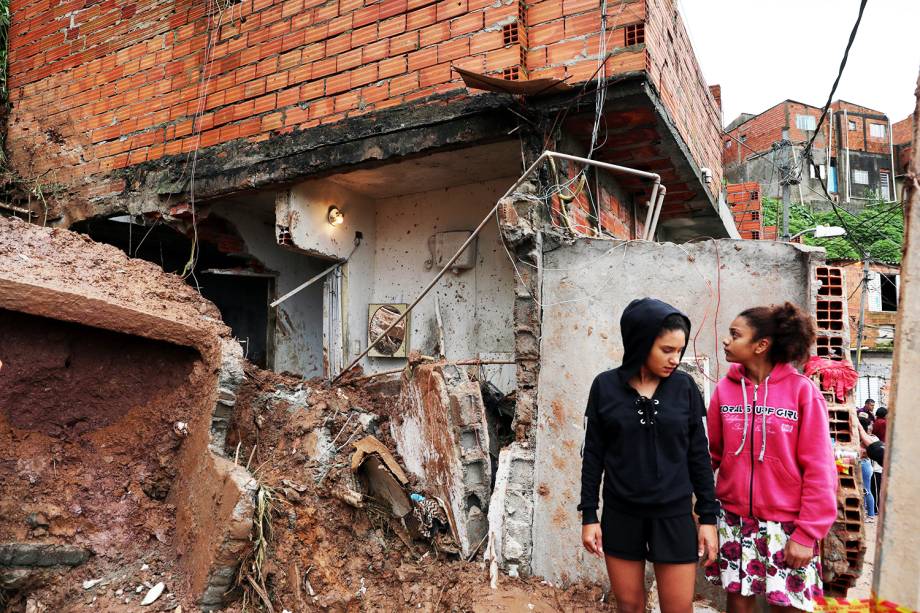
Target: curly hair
(791, 330)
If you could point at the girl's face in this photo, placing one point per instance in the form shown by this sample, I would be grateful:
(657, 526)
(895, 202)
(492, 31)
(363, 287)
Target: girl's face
(664, 356)
(740, 345)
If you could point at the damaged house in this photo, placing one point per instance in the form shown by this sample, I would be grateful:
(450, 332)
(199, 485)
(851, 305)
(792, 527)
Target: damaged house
(312, 167)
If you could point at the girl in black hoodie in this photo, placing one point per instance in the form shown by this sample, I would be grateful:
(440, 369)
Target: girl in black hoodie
(644, 434)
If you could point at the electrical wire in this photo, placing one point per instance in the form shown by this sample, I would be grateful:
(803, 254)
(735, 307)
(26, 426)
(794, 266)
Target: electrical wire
(843, 63)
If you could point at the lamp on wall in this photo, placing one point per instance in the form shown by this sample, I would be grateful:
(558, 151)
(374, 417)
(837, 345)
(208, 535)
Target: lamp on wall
(335, 217)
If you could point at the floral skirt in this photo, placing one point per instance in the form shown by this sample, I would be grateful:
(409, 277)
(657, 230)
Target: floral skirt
(751, 563)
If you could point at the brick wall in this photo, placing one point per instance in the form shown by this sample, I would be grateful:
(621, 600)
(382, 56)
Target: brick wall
(97, 87)
(744, 202)
(675, 72)
(760, 132)
(903, 131)
(860, 138)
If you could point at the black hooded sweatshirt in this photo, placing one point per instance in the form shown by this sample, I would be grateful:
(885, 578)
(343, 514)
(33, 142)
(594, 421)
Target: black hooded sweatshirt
(653, 453)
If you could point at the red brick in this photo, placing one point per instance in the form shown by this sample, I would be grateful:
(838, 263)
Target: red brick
(451, 8)
(339, 44)
(486, 41)
(389, 8)
(434, 34)
(404, 43)
(391, 27)
(546, 10)
(453, 49)
(422, 58)
(338, 83)
(323, 68)
(403, 84)
(348, 60)
(376, 51)
(375, 93)
(422, 17)
(502, 58)
(546, 34)
(314, 89)
(363, 36)
(580, 25)
(392, 67)
(468, 23)
(432, 75)
(272, 121)
(364, 75)
(287, 97)
(263, 104)
(365, 16)
(276, 81)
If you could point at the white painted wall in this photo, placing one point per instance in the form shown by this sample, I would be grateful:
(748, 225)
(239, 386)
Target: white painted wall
(389, 266)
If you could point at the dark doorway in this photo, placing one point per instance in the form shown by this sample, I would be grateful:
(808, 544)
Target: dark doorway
(224, 273)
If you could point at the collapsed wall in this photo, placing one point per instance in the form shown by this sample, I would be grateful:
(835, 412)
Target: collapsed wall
(110, 379)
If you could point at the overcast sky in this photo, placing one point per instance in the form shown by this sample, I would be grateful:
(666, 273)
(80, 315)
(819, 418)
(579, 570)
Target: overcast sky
(762, 52)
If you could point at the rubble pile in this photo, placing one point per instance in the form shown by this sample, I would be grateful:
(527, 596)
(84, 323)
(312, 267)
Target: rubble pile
(351, 529)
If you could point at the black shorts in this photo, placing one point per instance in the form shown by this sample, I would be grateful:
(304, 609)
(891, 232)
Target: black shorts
(666, 540)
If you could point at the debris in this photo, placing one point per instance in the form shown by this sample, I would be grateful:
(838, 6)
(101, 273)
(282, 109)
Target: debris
(153, 594)
(348, 496)
(181, 429)
(369, 445)
(91, 583)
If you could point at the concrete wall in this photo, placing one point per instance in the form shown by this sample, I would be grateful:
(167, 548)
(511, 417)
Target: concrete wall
(475, 304)
(585, 288)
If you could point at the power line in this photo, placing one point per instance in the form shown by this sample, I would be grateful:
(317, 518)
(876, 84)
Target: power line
(843, 63)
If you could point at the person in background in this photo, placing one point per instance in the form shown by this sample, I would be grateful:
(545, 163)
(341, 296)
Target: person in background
(880, 425)
(875, 448)
(867, 410)
(777, 481)
(865, 467)
(879, 430)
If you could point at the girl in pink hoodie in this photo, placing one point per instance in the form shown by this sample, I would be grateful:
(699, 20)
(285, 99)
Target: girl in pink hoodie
(770, 443)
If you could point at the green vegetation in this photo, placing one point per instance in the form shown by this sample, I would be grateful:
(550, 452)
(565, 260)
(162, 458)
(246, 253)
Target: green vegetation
(878, 229)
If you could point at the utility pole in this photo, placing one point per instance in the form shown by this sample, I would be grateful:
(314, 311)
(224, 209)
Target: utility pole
(862, 309)
(788, 177)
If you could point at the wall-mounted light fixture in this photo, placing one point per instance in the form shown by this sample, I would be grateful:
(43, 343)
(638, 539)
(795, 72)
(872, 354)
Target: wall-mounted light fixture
(335, 217)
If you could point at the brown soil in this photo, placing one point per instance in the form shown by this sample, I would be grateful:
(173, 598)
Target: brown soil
(64, 379)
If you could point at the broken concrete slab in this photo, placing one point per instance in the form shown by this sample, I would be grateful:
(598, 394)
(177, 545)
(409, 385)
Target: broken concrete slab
(511, 510)
(443, 438)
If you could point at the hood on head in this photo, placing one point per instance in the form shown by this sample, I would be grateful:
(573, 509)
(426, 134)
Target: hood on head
(779, 372)
(639, 325)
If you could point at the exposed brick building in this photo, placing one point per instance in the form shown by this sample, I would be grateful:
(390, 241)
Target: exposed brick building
(240, 124)
(744, 203)
(852, 154)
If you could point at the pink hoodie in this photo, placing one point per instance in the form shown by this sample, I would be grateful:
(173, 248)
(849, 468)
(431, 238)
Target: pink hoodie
(776, 464)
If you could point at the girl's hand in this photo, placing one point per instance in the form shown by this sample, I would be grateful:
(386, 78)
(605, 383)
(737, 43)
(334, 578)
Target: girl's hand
(708, 544)
(591, 539)
(797, 555)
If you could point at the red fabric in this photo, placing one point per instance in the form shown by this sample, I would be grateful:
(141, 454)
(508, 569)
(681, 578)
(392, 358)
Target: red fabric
(838, 376)
(880, 428)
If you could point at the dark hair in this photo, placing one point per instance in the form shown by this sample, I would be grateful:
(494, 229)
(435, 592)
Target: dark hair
(865, 422)
(881, 413)
(868, 400)
(675, 321)
(791, 329)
